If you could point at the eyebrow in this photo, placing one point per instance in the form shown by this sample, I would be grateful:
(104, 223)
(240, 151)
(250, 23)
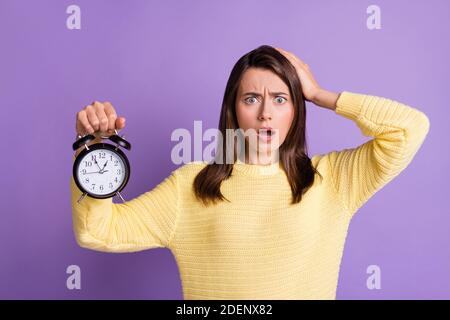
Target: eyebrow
(273, 94)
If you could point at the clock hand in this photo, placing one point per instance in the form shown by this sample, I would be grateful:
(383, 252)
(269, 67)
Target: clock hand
(95, 160)
(101, 170)
(96, 172)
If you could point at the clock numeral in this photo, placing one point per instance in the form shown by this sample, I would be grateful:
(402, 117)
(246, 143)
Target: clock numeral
(115, 179)
(86, 180)
(93, 186)
(88, 164)
(110, 185)
(101, 187)
(118, 171)
(111, 157)
(116, 163)
(83, 171)
(93, 157)
(102, 155)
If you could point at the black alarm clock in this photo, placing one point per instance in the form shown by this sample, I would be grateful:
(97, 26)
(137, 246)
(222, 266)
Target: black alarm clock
(101, 170)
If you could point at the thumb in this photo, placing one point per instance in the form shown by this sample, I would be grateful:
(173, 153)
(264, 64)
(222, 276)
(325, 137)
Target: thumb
(120, 123)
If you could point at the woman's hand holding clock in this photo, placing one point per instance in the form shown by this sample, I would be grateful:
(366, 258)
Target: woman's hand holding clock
(101, 170)
(99, 119)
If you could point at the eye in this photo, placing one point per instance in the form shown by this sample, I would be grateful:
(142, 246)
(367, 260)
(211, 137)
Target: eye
(251, 102)
(282, 99)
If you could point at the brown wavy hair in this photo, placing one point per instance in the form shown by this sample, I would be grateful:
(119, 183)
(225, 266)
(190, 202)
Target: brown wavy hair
(293, 155)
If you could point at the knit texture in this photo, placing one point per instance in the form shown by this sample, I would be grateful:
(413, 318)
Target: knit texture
(259, 246)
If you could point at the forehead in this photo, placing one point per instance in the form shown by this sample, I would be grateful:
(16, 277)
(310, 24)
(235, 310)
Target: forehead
(258, 79)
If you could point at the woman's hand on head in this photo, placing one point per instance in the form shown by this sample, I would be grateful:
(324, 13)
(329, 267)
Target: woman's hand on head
(310, 87)
(99, 119)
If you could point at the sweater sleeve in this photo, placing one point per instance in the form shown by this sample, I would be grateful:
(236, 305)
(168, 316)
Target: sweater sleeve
(147, 221)
(398, 131)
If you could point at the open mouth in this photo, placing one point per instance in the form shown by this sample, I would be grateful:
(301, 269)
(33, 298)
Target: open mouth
(266, 132)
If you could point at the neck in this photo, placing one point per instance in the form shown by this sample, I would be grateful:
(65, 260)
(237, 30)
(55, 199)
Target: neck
(262, 159)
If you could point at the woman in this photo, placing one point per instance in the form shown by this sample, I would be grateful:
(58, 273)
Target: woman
(269, 227)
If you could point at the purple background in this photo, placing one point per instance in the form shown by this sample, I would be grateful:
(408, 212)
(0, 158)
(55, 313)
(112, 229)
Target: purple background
(164, 64)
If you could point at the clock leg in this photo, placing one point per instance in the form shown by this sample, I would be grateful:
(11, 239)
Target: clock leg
(120, 196)
(81, 198)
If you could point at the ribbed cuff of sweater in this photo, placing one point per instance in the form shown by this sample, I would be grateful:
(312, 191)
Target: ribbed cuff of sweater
(349, 104)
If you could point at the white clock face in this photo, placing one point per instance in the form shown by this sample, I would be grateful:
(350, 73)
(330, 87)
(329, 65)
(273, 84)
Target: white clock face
(101, 171)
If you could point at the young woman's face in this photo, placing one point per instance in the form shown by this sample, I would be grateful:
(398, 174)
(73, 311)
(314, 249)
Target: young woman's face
(263, 100)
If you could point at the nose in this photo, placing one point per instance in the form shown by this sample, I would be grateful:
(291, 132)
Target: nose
(266, 112)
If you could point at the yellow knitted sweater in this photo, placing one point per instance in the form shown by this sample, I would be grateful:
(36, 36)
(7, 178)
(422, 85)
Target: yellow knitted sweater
(260, 246)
